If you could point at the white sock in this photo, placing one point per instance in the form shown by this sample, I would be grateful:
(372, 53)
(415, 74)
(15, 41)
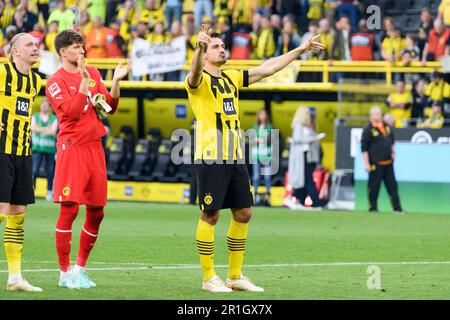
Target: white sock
(77, 268)
(62, 273)
(14, 277)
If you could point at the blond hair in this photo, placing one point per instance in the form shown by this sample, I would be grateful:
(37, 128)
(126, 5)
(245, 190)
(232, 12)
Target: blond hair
(13, 44)
(302, 116)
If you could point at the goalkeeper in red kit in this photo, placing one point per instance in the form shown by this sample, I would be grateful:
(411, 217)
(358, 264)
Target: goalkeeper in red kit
(80, 101)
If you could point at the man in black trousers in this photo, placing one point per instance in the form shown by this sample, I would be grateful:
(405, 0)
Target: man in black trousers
(377, 144)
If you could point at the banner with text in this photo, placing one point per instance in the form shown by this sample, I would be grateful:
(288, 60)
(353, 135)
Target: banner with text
(150, 58)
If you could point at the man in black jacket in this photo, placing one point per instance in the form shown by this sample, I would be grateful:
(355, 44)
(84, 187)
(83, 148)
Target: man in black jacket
(377, 144)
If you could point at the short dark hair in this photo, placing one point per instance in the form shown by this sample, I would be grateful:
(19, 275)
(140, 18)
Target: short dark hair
(214, 35)
(67, 38)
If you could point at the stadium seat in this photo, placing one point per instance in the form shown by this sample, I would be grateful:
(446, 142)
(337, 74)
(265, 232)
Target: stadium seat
(117, 153)
(154, 136)
(397, 7)
(163, 168)
(142, 160)
(183, 171)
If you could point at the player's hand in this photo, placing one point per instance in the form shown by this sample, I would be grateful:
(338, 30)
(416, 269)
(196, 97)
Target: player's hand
(367, 167)
(122, 70)
(204, 37)
(311, 44)
(82, 68)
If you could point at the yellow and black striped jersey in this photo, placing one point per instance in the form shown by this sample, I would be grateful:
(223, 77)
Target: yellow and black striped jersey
(17, 94)
(216, 109)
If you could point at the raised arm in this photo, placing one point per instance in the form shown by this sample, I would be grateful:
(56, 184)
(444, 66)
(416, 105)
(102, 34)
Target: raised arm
(274, 65)
(195, 76)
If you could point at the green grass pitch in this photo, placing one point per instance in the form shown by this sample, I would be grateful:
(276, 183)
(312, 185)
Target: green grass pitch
(147, 251)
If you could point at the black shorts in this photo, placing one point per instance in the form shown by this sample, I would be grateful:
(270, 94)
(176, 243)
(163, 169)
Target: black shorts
(16, 174)
(223, 186)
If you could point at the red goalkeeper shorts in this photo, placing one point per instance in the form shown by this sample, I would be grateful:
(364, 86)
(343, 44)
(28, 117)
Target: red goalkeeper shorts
(80, 174)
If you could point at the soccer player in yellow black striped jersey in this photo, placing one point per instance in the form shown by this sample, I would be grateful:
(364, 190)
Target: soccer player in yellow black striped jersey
(19, 86)
(222, 181)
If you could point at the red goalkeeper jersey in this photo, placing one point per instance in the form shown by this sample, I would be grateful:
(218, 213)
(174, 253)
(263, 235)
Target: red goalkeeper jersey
(78, 121)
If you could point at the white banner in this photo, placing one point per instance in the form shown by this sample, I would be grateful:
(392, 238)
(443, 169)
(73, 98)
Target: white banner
(49, 62)
(149, 58)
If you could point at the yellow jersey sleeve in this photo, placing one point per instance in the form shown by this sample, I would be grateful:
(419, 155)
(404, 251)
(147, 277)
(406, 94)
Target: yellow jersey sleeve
(194, 90)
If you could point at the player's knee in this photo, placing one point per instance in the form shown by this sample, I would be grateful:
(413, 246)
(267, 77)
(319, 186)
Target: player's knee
(243, 215)
(210, 217)
(94, 215)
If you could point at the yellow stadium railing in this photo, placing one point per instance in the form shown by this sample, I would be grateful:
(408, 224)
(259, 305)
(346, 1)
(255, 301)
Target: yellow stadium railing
(304, 66)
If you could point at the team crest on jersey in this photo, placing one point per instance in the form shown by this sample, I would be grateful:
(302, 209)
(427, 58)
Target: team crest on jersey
(208, 199)
(66, 191)
(91, 83)
(54, 89)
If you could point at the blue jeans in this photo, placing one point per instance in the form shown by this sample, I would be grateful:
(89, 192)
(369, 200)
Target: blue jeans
(49, 159)
(351, 11)
(257, 175)
(202, 8)
(175, 11)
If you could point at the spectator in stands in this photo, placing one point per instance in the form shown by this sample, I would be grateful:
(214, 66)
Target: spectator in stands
(264, 7)
(377, 146)
(444, 12)
(419, 99)
(175, 32)
(39, 35)
(437, 90)
(275, 22)
(158, 36)
(7, 10)
(222, 10)
(11, 31)
(95, 41)
(326, 37)
(150, 14)
(393, 45)
(362, 43)
(203, 8)
(224, 28)
(173, 12)
(266, 43)
(351, 9)
(18, 21)
(399, 103)
(261, 152)
(313, 29)
(294, 38)
(285, 43)
(243, 11)
(111, 9)
(29, 19)
(44, 125)
(341, 45)
(329, 8)
(315, 10)
(97, 8)
(85, 22)
(115, 45)
(49, 40)
(126, 13)
(43, 8)
(411, 51)
(438, 42)
(190, 36)
(426, 18)
(302, 161)
(435, 120)
(62, 15)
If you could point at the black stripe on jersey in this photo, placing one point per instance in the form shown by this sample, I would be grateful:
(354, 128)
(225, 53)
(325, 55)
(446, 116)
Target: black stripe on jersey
(33, 75)
(19, 82)
(15, 137)
(246, 80)
(25, 138)
(219, 136)
(4, 134)
(231, 82)
(8, 82)
(28, 87)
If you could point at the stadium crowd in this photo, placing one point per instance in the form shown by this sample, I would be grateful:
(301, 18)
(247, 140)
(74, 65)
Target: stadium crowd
(251, 29)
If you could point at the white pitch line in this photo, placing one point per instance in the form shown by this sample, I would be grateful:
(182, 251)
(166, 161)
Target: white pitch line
(285, 265)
